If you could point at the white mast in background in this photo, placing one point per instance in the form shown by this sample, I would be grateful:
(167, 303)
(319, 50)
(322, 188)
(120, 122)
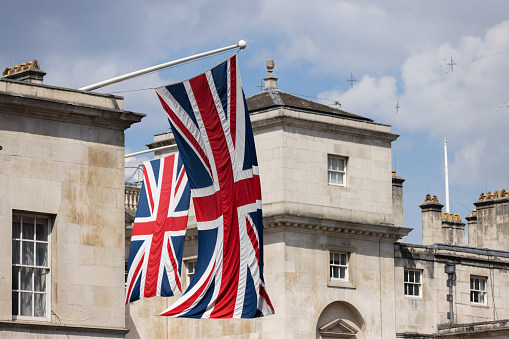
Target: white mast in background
(446, 178)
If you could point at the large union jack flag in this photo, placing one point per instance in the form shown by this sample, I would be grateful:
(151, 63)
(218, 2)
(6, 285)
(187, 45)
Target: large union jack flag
(157, 243)
(210, 121)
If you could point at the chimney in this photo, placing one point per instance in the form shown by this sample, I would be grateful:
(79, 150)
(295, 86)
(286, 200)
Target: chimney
(29, 72)
(453, 229)
(431, 220)
(472, 229)
(397, 199)
(492, 229)
(270, 80)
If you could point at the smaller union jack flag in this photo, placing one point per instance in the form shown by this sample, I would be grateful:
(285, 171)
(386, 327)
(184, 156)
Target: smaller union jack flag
(157, 243)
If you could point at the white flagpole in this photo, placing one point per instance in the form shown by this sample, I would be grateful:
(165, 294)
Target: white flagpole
(152, 150)
(241, 44)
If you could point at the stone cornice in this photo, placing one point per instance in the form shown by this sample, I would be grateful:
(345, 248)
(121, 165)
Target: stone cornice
(62, 328)
(346, 228)
(310, 224)
(64, 111)
(322, 126)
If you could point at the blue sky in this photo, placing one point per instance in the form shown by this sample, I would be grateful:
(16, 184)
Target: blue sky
(398, 51)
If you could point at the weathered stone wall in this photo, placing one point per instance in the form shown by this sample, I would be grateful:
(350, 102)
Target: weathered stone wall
(423, 314)
(64, 158)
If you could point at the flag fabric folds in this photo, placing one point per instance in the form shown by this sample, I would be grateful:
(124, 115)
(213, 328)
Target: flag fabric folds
(210, 121)
(157, 243)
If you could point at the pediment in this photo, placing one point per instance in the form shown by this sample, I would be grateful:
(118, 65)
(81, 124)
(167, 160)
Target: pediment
(338, 328)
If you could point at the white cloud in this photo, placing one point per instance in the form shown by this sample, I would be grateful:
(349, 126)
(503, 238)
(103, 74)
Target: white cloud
(462, 105)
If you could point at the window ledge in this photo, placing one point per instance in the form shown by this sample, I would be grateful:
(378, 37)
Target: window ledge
(341, 284)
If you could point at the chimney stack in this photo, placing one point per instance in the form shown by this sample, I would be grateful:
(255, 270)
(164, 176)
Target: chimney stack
(29, 72)
(492, 227)
(431, 220)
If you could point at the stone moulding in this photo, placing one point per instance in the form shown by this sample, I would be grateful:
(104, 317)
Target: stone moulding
(345, 227)
(57, 110)
(322, 126)
(310, 224)
(62, 328)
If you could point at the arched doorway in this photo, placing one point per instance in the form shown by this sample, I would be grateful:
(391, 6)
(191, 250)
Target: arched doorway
(339, 319)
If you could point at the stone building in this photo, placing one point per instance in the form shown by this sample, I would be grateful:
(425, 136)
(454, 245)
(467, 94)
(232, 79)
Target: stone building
(61, 209)
(333, 225)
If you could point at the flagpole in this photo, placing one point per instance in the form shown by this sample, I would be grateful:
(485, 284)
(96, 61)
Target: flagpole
(151, 150)
(241, 44)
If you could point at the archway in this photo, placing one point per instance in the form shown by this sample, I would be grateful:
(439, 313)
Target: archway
(339, 319)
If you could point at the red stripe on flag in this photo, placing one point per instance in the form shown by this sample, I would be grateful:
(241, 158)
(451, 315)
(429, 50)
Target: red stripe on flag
(149, 189)
(254, 240)
(173, 264)
(186, 304)
(225, 304)
(160, 225)
(134, 278)
(175, 120)
(208, 208)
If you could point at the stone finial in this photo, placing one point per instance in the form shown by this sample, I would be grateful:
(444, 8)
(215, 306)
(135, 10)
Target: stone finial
(270, 80)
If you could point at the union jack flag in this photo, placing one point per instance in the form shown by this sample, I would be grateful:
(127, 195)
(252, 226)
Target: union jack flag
(157, 243)
(209, 119)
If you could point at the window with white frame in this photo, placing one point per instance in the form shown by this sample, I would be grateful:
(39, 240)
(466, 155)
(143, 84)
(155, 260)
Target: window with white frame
(478, 290)
(339, 265)
(190, 269)
(413, 283)
(336, 170)
(30, 265)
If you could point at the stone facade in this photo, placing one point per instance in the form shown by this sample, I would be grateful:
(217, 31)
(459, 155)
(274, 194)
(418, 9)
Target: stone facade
(385, 289)
(62, 160)
(428, 313)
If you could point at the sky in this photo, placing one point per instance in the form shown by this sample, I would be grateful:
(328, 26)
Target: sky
(433, 70)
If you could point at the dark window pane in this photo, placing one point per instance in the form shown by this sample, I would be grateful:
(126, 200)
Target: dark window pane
(342, 273)
(28, 227)
(15, 252)
(26, 278)
(41, 229)
(16, 226)
(416, 287)
(41, 254)
(343, 259)
(406, 289)
(27, 255)
(15, 302)
(15, 278)
(26, 304)
(406, 276)
(335, 272)
(39, 305)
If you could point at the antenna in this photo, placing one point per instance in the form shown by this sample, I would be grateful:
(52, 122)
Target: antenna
(451, 64)
(351, 80)
(446, 179)
(397, 107)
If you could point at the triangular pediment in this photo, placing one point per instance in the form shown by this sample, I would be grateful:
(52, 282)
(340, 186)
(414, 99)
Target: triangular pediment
(338, 328)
